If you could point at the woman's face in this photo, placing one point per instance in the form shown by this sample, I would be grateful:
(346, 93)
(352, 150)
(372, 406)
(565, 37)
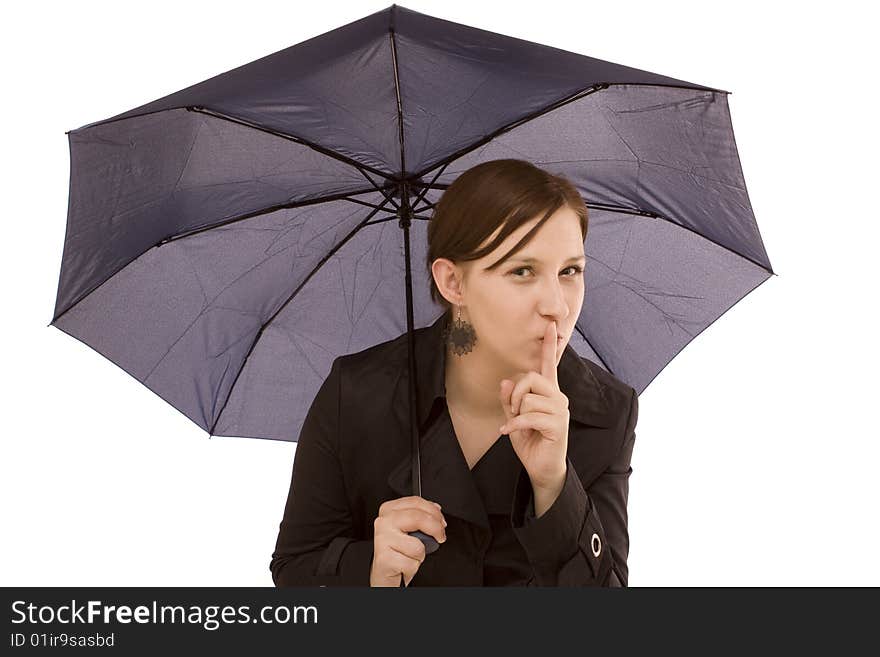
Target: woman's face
(511, 306)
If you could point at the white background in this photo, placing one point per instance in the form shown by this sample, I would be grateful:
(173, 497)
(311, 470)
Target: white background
(756, 459)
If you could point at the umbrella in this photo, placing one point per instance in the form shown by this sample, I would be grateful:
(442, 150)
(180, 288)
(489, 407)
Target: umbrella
(225, 243)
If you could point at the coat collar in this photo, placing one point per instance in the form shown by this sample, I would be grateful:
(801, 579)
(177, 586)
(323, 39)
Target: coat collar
(445, 476)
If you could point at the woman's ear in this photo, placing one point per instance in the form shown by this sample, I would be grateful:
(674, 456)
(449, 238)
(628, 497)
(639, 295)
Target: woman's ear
(448, 277)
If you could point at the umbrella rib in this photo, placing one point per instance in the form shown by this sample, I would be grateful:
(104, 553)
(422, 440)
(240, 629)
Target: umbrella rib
(654, 215)
(372, 205)
(265, 324)
(171, 238)
(597, 86)
(299, 140)
(380, 190)
(421, 195)
(427, 206)
(397, 92)
(382, 221)
(342, 196)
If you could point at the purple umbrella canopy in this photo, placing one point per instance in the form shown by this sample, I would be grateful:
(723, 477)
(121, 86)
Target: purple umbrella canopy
(226, 243)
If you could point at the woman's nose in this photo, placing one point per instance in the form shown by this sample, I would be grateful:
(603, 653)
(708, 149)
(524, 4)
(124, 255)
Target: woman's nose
(555, 304)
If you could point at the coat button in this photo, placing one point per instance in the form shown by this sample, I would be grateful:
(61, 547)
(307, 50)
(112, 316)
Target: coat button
(596, 544)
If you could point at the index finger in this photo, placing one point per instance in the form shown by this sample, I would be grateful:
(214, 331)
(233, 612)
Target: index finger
(409, 502)
(548, 360)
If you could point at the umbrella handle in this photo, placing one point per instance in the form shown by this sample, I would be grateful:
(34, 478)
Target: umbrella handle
(431, 545)
(430, 542)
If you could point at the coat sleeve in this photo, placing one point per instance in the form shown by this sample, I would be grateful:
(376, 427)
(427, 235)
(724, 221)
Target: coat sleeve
(582, 539)
(316, 544)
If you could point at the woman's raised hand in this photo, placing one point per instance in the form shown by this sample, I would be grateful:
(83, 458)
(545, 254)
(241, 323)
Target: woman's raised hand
(537, 417)
(395, 552)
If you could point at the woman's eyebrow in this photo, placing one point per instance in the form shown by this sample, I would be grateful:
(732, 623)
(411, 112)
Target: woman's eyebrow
(534, 260)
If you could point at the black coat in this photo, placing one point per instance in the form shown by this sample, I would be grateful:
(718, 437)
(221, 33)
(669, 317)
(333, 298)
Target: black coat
(354, 453)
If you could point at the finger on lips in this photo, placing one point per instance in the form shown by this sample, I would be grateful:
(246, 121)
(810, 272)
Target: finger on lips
(512, 402)
(549, 360)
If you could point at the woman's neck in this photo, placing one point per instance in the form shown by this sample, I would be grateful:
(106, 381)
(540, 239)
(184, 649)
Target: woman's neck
(473, 385)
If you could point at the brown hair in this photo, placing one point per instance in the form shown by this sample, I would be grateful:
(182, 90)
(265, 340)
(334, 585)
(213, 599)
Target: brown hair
(507, 192)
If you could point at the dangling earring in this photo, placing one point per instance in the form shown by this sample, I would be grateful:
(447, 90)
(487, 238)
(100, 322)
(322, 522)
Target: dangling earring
(460, 335)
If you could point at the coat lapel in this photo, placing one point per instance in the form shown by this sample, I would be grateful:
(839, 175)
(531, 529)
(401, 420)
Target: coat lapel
(445, 476)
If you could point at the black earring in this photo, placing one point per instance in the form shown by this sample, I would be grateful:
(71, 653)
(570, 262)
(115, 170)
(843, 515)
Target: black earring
(460, 335)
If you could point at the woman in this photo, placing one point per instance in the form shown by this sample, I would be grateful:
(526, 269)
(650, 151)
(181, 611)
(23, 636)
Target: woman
(525, 446)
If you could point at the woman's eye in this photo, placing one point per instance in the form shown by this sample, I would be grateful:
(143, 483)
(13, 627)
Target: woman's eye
(577, 270)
